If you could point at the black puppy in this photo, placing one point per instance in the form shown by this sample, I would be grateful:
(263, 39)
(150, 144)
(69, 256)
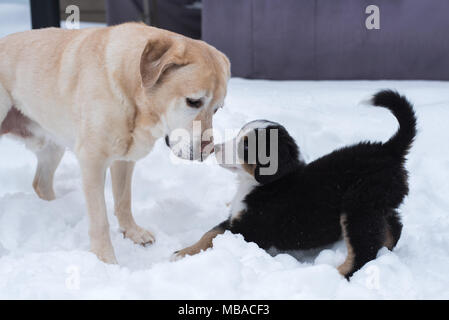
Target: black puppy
(352, 192)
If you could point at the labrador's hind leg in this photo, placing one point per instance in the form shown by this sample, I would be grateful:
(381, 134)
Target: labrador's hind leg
(5, 104)
(49, 156)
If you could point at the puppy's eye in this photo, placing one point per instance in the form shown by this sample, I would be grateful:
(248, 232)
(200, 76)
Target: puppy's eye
(194, 103)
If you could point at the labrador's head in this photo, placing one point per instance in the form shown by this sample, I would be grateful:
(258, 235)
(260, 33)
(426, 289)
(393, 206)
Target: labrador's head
(186, 81)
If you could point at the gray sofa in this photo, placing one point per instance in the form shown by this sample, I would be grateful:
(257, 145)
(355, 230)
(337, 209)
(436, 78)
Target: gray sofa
(181, 16)
(328, 39)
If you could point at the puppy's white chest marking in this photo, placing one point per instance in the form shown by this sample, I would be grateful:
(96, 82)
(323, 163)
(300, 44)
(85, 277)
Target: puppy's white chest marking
(246, 185)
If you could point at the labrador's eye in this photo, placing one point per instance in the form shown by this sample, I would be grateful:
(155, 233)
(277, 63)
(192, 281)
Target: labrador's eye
(194, 103)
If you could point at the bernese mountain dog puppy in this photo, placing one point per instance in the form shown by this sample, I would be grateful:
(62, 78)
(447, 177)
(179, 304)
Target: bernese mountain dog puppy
(352, 193)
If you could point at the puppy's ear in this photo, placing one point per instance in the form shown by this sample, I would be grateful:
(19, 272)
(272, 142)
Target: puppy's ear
(158, 56)
(288, 157)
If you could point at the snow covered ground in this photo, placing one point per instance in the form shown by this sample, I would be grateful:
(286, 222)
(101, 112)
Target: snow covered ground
(44, 245)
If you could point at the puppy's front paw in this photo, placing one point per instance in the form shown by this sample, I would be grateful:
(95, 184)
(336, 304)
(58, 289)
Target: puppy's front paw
(139, 235)
(189, 251)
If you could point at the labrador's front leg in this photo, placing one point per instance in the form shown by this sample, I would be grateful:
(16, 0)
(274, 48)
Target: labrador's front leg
(121, 174)
(93, 170)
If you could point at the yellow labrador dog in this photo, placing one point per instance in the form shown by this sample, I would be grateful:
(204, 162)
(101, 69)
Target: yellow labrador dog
(107, 94)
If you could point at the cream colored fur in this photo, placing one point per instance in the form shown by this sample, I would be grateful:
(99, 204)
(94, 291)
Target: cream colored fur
(107, 94)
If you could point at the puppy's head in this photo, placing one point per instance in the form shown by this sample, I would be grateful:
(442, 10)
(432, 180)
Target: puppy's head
(185, 83)
(262, 150)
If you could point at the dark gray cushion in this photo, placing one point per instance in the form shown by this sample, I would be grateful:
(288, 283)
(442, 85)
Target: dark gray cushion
(181, 16)
(328, 39)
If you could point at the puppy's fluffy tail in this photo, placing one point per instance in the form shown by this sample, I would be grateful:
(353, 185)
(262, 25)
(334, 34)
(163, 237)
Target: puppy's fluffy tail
(402, 109)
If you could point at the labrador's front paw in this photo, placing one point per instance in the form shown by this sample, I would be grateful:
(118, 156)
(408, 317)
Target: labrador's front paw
(104, 252)
(43, 191)
(107, 258)
(139, 235)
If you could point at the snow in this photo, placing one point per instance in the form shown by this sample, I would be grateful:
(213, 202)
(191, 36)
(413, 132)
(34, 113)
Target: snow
(44, 245)
(14, 16)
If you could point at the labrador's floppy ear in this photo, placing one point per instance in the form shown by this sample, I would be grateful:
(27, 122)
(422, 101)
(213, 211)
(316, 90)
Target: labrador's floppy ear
(288, 157)
(158, 56)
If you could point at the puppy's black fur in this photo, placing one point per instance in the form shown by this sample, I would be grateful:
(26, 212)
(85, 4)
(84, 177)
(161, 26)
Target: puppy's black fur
(352, 192)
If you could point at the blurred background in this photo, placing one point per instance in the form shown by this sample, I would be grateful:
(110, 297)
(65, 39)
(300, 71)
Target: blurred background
(279, 39)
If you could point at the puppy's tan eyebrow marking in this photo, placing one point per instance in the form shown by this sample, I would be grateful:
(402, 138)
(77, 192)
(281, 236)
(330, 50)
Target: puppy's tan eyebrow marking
(250, 168)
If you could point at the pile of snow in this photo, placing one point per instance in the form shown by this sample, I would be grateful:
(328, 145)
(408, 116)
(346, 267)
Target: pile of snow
(44, 245)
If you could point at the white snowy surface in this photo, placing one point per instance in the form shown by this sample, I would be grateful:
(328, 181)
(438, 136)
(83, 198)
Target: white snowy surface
(14, 16)
(44, 245)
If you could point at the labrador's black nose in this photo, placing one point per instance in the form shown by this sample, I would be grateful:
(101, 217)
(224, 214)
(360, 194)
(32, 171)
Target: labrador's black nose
(167, 141)
(205, 144)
